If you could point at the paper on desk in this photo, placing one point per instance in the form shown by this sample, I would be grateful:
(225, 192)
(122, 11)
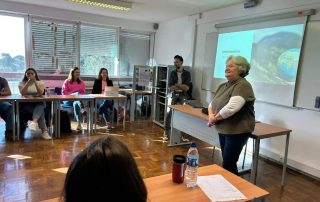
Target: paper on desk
(217, 188)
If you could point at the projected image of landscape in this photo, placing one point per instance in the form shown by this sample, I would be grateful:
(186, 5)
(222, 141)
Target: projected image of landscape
(275, 54)
(274, 57)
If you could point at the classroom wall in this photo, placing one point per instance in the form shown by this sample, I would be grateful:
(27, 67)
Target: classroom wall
(68, 15)
(305, 138)
(175, 37)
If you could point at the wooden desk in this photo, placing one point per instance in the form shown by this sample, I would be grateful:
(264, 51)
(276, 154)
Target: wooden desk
(132, 94)
(193, 122)
(138, 92)
(55, 99)
(105, 97)
(162, 189)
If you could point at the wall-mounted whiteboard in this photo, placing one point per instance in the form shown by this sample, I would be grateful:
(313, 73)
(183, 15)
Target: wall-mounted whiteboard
(308, 75)
(308, 84)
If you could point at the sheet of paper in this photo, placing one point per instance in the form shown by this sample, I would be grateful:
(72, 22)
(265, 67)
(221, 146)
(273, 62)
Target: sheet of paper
(19, 157)
(144, 76)
(217, 188)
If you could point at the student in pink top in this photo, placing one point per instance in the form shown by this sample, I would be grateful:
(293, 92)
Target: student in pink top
(73, 85)
(99, 85)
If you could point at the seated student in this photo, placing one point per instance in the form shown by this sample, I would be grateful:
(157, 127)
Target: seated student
(73, 85)
(102, 171)
(31, 85)
(6, 107)
(98, 88)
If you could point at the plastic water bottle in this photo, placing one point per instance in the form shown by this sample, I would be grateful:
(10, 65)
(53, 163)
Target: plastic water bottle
(47, 91)
(191, 174)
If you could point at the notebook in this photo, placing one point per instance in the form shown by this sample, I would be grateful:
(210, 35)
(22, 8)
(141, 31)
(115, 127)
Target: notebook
(111, 91)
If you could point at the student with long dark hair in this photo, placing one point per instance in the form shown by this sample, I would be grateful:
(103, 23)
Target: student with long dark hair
(31, 85)
(104, 106)
(104, 171)
(73, 85)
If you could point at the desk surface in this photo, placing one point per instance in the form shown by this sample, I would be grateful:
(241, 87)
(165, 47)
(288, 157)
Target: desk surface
(191, 111)
(138, 92)
(102, 96)
(48, 97)
(162, 189)
(261, 130)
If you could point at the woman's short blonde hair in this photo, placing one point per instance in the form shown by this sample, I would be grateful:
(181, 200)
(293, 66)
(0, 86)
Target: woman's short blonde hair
(242, 64)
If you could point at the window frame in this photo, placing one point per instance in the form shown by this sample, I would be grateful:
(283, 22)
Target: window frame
(28, 38)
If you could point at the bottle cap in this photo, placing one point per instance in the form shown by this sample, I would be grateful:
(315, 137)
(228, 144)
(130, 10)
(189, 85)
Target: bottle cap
(193, 144)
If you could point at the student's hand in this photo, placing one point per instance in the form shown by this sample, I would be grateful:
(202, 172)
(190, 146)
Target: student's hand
(31, 81)
(174, 88)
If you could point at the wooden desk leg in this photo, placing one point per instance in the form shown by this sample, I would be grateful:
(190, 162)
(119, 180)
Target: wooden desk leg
(88, 117)
(175, 135)
(118, 101)
(95, 114)
(124, 115)
(284, 169)
(91, 116)
(14, 125)
(58, 119)
(132, 106)
(18, 120)
(53, 121)
(255, 162)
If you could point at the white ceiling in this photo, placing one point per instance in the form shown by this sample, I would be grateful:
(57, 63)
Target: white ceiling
(143, 10)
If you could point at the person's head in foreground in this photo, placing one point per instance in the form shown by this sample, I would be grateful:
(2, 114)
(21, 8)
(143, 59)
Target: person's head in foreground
(104, 171)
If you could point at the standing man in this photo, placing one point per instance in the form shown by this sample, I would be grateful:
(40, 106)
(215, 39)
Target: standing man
(6, 107)
(179, 84)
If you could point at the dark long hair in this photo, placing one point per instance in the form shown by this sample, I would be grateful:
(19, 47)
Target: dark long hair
(25, 78)
(71, 76)
(102, 171)
(100, 71)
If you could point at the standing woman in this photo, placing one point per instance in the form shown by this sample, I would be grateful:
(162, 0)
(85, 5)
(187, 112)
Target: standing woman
(99, 85)
(31, 85)
(73, 85)
(232, 111)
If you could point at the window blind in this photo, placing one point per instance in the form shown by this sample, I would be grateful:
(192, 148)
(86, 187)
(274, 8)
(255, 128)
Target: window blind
(53, 46)
(98, 48)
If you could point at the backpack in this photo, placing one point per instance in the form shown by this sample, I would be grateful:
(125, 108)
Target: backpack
(65, 123)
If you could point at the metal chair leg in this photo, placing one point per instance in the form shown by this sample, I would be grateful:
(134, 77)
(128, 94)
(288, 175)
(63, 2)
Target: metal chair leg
(244, 155)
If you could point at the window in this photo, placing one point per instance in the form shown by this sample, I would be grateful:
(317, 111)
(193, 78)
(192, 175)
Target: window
(134, 50)
(53, 46)
(98, 48)
(12, 49)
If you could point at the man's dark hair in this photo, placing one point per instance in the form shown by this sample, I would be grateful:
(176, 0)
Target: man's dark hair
(179, 58)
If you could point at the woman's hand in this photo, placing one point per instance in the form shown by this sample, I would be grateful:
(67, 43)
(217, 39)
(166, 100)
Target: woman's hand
(31, 81)
(211, 119)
